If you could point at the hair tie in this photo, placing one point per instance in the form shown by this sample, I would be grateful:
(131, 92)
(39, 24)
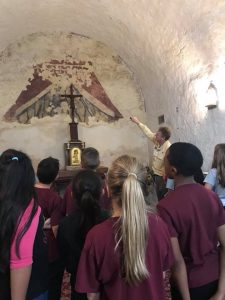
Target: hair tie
(15, 158)
(133, 174)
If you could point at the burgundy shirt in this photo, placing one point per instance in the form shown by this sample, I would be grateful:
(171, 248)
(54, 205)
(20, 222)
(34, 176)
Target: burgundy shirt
(193, 215)
(99, 267)
(50, 202)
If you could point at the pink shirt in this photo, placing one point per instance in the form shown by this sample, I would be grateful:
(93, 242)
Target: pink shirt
(27, 241)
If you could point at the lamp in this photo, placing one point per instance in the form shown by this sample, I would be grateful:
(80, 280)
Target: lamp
(211, 96)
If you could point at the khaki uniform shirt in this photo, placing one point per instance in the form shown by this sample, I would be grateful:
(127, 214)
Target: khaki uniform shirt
(158, 152)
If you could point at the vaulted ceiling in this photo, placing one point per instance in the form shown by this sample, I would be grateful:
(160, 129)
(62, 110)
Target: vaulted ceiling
(157, 39)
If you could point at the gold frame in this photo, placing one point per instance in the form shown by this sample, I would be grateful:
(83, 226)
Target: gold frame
(75, 156)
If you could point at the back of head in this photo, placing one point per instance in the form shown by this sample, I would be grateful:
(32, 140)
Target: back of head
(219, 163)
(47, 170)
(16, 175)
(186, 158)
(165, 131)
(128, 183)
(87, 189)
(90, 158)
(17, 180)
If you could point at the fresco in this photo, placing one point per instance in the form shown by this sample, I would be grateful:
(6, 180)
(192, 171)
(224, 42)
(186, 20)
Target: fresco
(42, 96)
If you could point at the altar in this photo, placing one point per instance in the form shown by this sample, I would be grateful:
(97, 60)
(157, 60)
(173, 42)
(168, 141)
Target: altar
(74, 147)
(65, 177)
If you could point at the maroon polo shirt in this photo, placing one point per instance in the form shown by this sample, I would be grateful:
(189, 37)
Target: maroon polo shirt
(193, 215)
(99, 268)
(50, 202)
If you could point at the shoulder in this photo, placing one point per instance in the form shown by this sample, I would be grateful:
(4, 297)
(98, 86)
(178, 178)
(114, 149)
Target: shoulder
(100, 230)
(156, 221)
(27, 213)
(53, 197)
(211, 176)
(167, 144)
(158, 229)
(168, 200)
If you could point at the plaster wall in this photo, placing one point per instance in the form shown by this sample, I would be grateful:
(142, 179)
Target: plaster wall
(45, 136)
(174, 49)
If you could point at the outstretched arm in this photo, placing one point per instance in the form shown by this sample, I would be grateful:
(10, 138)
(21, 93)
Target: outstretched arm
(144, 128)
(135, 120)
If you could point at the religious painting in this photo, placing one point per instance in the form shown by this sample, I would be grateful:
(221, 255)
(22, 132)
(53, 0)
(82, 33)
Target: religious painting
(75, 156)
(42, 96)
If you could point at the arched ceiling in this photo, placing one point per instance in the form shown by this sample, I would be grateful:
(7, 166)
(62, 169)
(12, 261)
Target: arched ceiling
(167, 45)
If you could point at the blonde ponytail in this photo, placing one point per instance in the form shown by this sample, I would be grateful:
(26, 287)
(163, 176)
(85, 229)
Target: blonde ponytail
(126, 180)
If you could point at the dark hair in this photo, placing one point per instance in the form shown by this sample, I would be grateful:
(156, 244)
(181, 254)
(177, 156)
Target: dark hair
(47, 170)
(17, 180)
(165, 131)
(90, 158)
(186, 158)
(199, 177)
(87, 189)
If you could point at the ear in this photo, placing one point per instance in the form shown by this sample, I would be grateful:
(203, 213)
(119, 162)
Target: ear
(174, 171)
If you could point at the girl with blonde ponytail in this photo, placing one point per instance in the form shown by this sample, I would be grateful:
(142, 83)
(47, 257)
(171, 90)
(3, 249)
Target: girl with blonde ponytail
(125, 256)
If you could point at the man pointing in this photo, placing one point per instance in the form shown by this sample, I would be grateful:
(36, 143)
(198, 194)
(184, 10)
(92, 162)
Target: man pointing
(161, 144)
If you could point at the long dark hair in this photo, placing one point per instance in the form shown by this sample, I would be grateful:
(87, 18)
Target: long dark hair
(87, 189)
(219, 163)
(17, 180)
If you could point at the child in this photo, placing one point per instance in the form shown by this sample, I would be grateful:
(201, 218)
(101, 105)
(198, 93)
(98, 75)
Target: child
(23, 250)
(125, 256)
(86, 189)
(196, 220)
(50, 202)
(90, 161)
(215, 180)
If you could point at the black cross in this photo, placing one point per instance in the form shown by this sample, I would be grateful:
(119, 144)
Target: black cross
(71, 96)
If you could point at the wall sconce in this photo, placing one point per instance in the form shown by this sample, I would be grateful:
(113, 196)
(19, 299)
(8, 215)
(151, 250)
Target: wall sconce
(211, 96)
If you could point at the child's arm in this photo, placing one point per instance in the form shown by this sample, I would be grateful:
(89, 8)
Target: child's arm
(179, 272)
(93, 296)
(19, 279)
(220, 294)
(55, 230)
(208, 186)
(47, 224)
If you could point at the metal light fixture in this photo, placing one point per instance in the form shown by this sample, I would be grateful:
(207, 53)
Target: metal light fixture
(211, 96)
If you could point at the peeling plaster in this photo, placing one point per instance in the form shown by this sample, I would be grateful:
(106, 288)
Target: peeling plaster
(52, 62)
